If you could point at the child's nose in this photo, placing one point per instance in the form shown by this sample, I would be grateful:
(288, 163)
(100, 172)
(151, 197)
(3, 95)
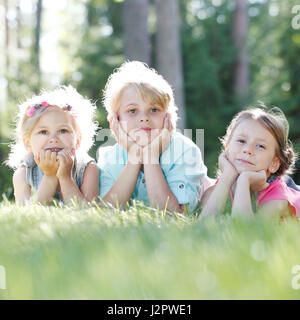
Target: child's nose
(144, 118)
(53, 138)
(248, 149)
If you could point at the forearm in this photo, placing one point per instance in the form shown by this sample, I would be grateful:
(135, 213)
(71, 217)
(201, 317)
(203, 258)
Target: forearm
(158, 190)
(217, 200)
(46, 190)
(69, 189)
(122, 190)
(242, 199)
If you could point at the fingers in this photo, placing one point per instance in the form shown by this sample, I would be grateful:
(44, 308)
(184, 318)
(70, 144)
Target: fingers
(120, 134)
(65, 155)
(167, 122)
(114, 125)
(37, 158)
(47, 157)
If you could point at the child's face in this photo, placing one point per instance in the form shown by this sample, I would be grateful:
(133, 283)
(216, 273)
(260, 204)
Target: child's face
(54, 131)
(253, 148)
(138, 117)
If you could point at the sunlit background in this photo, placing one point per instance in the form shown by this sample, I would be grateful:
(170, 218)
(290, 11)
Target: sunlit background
(220, 56)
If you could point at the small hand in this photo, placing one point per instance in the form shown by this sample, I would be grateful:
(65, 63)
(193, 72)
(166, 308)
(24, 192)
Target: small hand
(257, 179)
(133, 150)
(47, 161)
(66, 162)
(226, 166)
(160, 142)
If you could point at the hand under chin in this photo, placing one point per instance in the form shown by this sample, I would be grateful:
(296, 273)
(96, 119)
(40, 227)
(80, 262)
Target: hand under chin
(143, 138)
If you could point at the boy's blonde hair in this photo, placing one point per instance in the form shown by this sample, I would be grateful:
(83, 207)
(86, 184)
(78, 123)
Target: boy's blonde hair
(65, 98)
(275, 122)
(146, 81)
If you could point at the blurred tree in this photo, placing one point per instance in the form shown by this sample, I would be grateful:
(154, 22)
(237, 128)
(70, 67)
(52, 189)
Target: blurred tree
(37, 36)
(100, 52)
(168, 51)
(289, 71)
(275, 67)
(208, 57)
(7, 37)
(18, 21)
(136, 38)
(241, 70)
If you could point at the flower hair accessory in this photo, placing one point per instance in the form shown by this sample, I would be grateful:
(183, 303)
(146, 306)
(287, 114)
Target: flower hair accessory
(31, 110)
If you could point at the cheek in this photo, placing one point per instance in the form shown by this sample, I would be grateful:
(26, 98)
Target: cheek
(230, 152)
(128, 124)
(158, 120)
(36, 141)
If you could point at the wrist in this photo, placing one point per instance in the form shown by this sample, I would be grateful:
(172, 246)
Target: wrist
(150, 156)
(51, 181)
(135, 160)
(243, 178)
(65, 179)
(50, 176)
(133, 166)
(229, 177)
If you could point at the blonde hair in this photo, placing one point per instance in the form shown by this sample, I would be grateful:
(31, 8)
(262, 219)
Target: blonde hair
(275, 122)
(65, 98)
(146, 81)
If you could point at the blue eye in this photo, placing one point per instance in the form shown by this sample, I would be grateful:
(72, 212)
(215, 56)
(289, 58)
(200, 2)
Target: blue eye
(154, 110)
(260, 146)
(241, 141)
(132, 111)
(43, 132)
(64, 131)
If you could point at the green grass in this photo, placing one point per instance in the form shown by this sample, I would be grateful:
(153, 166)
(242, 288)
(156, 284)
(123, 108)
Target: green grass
(97, 253)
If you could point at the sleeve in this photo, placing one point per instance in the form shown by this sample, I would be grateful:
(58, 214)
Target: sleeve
(81, 165)
(278, 190)
(107, 171)
(185, 177)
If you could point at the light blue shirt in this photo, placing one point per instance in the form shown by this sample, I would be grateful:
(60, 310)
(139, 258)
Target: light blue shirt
(181, 164)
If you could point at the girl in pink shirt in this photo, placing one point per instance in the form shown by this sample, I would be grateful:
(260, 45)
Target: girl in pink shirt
(256, 154)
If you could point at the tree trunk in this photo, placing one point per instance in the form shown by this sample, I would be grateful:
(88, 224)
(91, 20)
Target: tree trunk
(37, 36)
(19, 27)
(7, 42)
(136, 37)
(168, 51)
(4, 60)
(240, 30)
(18, 18)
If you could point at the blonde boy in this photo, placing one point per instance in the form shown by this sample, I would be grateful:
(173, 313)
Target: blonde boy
(150, 162)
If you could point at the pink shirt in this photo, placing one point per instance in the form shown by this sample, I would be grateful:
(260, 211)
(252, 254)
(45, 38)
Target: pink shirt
(278, 190)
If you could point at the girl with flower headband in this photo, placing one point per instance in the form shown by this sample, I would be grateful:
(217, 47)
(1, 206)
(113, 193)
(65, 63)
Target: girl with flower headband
(256, 156)
(54, 132)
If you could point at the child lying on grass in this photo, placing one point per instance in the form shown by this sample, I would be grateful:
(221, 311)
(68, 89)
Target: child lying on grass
(150, 162)
(256, 155)
(54, 132)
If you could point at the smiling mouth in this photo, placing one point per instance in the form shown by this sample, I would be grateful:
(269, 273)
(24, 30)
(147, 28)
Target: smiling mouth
(245, 161)
(54, 149)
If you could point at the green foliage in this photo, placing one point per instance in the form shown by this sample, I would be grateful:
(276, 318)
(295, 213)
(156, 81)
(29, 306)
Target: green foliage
(101, 51)
(94, 48)
(208, 56)
(140, 253)
(5, 173)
